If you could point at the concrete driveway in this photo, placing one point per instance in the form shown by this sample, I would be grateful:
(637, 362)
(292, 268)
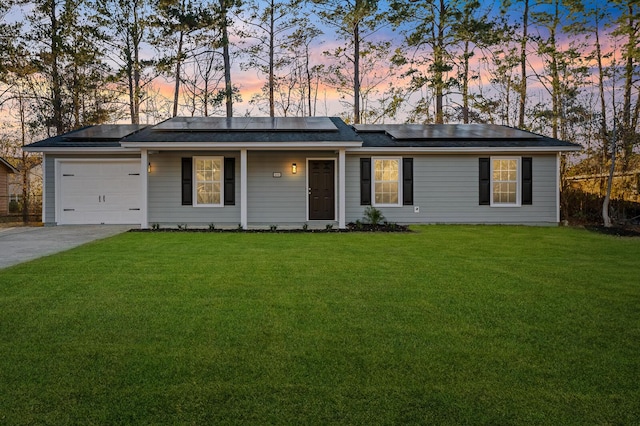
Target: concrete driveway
(21, 244)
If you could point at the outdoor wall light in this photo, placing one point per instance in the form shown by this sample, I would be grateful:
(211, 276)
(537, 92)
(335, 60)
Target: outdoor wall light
(149, 168)
(294, 168)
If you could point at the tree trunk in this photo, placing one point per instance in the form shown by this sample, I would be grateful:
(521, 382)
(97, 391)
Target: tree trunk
(523, 65)
(629, 72)
(228, 89)
(308, 71)
(176, 92)
(438, 59)
(136, 38)
(603, 101)
(465, 85)
(56, 84)
(25, 161)
(272, 101)
(356, 73)
(605, 205)
(129, 70)
(75, 96)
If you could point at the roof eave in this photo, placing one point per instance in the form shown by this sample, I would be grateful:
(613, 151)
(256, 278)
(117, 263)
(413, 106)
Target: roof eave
(467, 150)
(8, 166)
(246, 145)
(78, 150)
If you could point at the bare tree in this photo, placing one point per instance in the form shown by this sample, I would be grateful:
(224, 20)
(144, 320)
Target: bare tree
(126, 26)
(354, 21)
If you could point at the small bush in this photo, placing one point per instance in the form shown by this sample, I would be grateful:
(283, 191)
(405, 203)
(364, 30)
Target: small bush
(14, 206)
(373, 216)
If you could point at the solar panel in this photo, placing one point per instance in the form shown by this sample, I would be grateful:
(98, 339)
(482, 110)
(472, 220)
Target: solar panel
(247, 124)
(457, 131)
(371, 128)
(320, 124)
(105, 132)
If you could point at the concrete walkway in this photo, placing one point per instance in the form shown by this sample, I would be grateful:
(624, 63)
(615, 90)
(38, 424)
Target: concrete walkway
(21, 244)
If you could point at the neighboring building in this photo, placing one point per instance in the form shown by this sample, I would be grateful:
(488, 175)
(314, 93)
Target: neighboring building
(34, 186)
(5, 170)
(257, 172)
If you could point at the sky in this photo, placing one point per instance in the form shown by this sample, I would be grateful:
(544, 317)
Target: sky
(250, 82)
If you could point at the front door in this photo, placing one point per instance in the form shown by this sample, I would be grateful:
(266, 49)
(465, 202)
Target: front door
(321, 190)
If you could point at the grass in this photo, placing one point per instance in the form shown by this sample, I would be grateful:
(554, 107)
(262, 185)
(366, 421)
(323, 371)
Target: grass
(447, 325)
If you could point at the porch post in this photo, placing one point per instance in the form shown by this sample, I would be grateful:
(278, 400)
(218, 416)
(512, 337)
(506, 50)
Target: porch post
(243, 188)
(144, 199)
(44, 189)
(341, 189)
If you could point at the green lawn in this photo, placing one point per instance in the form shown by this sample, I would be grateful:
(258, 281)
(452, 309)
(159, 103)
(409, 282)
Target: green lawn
(447, 325)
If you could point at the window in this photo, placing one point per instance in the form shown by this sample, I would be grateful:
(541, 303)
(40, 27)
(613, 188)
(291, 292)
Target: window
(208, 181)
(386, 182)
(505, 181)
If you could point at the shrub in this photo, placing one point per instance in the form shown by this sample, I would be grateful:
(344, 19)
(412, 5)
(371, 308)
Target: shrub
(373, 216)
(14, 206)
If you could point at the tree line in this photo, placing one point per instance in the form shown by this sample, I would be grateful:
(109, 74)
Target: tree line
(564, 68)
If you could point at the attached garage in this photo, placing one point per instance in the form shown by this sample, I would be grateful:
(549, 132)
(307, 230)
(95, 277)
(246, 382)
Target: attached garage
(98, 192)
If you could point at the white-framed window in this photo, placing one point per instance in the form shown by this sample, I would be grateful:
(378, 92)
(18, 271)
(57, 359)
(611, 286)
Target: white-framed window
(207, 178)
(505, 181)
(386, 178)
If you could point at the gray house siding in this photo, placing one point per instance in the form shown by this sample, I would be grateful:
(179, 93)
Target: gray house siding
(446, 191)
(165, 193)
(270, 200)
(278, 200)
(49, 214)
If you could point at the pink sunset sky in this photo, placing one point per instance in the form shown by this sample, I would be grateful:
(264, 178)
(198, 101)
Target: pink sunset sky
(250, 82)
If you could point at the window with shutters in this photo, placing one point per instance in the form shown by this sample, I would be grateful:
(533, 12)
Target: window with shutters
(505, 181)
(208, 184)
(387, 173)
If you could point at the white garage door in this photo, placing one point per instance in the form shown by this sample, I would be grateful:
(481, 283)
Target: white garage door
(99, 192)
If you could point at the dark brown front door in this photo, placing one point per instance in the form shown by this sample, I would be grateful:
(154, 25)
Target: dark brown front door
(321, 190)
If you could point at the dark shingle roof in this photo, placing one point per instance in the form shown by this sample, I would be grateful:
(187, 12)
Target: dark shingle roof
(100, 136)
(453, 136)
(243, 130)
(217, 133)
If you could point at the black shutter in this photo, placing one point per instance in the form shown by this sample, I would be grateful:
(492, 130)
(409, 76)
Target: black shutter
(407, 181)
(485, 181)
(365, 181)
(527, 180)
(229, 181)
(187, 185)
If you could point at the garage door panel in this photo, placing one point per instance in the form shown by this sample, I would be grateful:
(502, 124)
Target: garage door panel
(100, 192)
